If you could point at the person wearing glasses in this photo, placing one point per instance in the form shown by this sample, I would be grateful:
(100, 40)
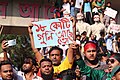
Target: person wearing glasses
(88, 67)
(116, 73)
(113, 61)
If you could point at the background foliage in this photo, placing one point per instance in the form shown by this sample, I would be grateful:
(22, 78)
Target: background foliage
(20, 50)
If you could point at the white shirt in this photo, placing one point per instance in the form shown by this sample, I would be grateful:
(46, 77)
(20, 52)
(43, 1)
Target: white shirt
(77, 3)
(96, 29)
(66, 7)
(81, 27)
(21, 76)
(115, 28)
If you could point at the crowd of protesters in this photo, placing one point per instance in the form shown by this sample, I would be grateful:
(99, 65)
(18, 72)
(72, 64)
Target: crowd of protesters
(93, 55)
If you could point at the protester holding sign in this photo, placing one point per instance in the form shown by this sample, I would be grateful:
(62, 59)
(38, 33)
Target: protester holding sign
(113, 27)
(106, 19)
(55, 32)
(55, 54)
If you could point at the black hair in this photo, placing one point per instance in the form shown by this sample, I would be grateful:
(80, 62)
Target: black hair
(96, 14)
(56, 48)
(47, 76)
(116, 56)
(78, 35)
(117, 35)
(84, 33)
(5, 62)
(45, 59)
(108, 3)
(117, 71)
(33, 60)
(102, 33)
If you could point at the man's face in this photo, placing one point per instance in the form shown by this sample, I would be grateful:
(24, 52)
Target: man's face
(117, 76)
(64, 1)
(46, 67)
(96, 18)
(27, 65)
(79, 16)
(92, 37)
(108, 4)
(112, 63)
(99, 0)
(90, 54)
(118, 39)
(55, 57)
(6, 72)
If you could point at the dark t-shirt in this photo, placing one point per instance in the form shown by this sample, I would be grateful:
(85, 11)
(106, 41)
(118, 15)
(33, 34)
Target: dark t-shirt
(102, 44)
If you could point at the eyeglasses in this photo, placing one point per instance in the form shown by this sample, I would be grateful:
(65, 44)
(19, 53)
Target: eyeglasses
(111, 60)
(91, 51)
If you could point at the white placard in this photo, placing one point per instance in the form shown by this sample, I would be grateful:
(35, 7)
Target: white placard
(110, 12)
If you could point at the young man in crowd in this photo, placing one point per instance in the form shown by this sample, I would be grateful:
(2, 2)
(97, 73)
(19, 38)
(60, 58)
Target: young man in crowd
(97, 27)
(90, 53)
(109, 38)
(116, 73)
(81, 26)
(27, 72)
(78, 6)
(88, 68)
(6, 70)
(55, 55)
(102, 43)
(65, 8)
(46, 69)
(91, 58)
(106, 19)
(87, 9)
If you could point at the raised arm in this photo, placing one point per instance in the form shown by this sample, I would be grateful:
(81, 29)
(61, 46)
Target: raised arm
(38, 55)
(4, 47)
(72, 50)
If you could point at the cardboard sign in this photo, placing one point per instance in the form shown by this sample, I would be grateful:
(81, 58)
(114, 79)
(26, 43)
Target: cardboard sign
(110, 12)
(52, 32)
(115, 28)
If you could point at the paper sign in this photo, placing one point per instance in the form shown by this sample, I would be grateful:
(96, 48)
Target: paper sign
(110, 12)
(52, 32)
(115, 28)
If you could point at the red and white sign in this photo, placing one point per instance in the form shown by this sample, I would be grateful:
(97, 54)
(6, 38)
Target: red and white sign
(110, 12)
(52, 32)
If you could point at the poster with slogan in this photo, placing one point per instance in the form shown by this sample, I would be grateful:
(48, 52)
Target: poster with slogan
(114, 28)
(110, 12)
(52, 32)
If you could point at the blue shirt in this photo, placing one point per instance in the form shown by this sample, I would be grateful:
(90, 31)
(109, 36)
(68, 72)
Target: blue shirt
(87, 7)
